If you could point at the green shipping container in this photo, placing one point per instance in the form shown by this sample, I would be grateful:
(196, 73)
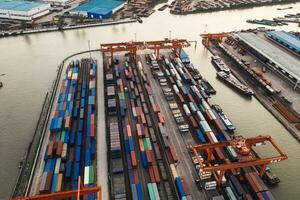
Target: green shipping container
(149, 145)
(145, 143)
(62, 138)
(183, 198)
(92, 175)
(202, 109)
(150, 191)
(229, 193)
(155, 190)
(121, 96)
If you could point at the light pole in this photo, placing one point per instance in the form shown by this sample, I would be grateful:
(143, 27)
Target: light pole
(89, 45)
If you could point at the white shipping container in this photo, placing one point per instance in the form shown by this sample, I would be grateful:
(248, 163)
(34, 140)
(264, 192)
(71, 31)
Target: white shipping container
(57, 165)
(175, 88)
(64, 151)
(186, 110)
(86, 175)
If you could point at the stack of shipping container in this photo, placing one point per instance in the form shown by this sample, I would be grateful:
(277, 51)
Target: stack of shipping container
(73, 122)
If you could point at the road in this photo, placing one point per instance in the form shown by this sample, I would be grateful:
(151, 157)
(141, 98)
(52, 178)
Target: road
(185, 166)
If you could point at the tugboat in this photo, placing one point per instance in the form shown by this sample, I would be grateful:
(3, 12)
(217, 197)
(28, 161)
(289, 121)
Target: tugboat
(223, 117)
(207, 87)
(270, 177)
(219, 64)
(234, 83)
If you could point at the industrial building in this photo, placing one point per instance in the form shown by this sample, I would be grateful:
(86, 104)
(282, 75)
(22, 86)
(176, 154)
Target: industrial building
(99, 9)
(286, 39)
(58, 2)
(277, 58)
(23, 10)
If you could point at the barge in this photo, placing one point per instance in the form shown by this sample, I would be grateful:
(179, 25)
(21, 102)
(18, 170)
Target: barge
(223, 117)
(219, 64)
(234, 83)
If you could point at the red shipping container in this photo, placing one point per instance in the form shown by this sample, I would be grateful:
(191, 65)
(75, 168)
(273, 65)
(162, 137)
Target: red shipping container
(251, 183)
(193, 122)
(219, 153)
(133, 159)
(173, 153)
(161, 118)
(143, 119)
(248, 197)
(218, 125)
(50, 149)
(191, 99)
(260, 196)
(136, 176)
(151, 173)
(149, 156)
(48, 183)
(136, 92)
(92, 119)
(67, 122)
(156, 174)
(139, 130)
(92, 128)
(171, 79)
(146, 131)
(185, 188)
(59, 148)
(138, 111)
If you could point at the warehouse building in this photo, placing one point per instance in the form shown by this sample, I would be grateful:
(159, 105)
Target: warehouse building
(275, 57)
(22, 10)
(58, 2)
(286, 39)
(99, 9)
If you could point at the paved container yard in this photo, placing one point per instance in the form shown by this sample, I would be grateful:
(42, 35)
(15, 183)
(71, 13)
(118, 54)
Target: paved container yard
(280, 57)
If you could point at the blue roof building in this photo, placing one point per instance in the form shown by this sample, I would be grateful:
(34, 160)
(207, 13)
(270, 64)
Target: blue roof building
(287, 39)
(23, 10)
(99, 9)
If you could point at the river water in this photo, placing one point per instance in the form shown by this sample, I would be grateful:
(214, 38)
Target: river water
(30, 63)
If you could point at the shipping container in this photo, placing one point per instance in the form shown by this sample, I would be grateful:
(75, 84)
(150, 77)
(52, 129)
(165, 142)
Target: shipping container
(229, 193)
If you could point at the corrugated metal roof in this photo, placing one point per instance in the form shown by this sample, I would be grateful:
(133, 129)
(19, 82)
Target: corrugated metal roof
(99, 6)
(271, 51)
(286, 38)
(19, 5)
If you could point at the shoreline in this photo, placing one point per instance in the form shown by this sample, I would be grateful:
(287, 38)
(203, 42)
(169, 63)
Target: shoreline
(239, 7)
(53, 29)
(258, 94)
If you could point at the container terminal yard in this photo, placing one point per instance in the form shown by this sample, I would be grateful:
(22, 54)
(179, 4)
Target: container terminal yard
(267, 61)
(164, 139)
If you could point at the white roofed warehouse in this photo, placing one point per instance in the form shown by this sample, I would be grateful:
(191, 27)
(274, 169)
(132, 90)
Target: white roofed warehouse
(23, 10)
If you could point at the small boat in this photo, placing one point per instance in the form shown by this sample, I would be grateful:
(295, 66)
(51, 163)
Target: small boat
(270, 177)
(223, 117)
(286, 8)
(1, 84)
(207, 87)
(163, 7)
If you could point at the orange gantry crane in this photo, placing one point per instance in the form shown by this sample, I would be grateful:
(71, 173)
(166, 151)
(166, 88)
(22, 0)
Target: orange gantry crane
(133, 46)
(207, 37)
(244, 150)
(81, 191)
